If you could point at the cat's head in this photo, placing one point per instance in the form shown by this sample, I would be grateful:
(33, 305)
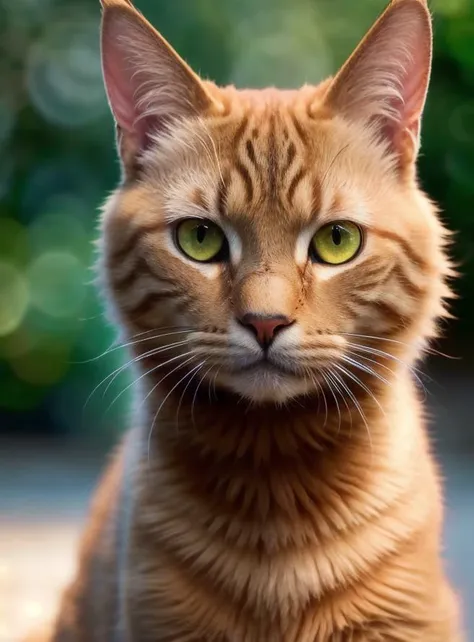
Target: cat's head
(272, 241)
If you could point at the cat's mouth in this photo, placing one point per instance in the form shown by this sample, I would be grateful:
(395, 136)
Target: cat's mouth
(266, 365)
(264, 380)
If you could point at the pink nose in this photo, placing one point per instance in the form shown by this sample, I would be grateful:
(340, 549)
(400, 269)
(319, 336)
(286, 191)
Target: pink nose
(265, 327)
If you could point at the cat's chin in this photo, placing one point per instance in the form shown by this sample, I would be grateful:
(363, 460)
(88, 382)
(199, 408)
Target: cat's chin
(266, 386)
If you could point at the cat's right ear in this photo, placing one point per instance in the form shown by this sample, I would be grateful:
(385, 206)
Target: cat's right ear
(148, 85)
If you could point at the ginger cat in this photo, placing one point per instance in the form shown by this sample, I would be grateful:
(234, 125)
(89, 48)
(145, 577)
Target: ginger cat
(276, 272)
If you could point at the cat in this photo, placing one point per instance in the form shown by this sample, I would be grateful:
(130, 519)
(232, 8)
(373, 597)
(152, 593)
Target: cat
(276, 273)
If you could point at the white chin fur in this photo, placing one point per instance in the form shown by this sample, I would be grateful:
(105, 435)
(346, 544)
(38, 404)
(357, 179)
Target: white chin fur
(261, 386)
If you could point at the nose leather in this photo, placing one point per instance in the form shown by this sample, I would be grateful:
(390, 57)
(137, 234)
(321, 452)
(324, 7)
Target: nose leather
(265, 327)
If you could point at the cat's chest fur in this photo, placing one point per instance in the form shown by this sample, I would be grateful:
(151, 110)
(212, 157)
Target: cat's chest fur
(282, 555)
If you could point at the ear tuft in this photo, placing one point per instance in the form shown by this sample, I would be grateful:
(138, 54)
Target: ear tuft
(386, 78)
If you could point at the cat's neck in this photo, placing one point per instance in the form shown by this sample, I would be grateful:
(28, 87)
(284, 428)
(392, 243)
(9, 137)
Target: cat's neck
(273, 466)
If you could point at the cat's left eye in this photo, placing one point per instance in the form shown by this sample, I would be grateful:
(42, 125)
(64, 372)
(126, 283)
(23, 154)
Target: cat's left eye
(336, 243)
(201, 240)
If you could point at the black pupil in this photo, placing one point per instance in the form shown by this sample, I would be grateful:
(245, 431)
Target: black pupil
(201, 232)
(336, 235)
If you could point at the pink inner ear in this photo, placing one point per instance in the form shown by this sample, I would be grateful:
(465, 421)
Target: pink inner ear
(123, 85)
(414, 87)
(119, 81)
(120, 96)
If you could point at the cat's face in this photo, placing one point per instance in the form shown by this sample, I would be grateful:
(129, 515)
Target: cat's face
(268, 242)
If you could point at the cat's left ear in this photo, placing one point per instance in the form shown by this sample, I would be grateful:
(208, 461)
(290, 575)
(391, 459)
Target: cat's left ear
(149, 86)
(385, 81)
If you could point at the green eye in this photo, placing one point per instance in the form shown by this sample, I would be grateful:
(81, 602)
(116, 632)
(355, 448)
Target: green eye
(200, 240)
(336, 243)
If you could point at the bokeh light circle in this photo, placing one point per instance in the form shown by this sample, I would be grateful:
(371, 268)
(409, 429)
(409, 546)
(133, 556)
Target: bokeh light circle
(43, 365)
(58, 284)
(56, 230)
(13, 298)
(64, 76)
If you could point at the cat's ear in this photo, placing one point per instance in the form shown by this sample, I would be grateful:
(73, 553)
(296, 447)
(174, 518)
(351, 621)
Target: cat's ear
(147, 83)
(385, 80)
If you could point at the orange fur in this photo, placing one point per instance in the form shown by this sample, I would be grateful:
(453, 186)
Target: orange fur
(265, 505)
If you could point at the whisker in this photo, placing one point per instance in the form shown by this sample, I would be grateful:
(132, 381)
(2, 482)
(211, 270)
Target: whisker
(120, 346)
(180, 365)
(381, 353)
(392, 372)
(321, 393)
(330, 374)
(195, 393)
(214, 381)
(366, 369)
(150, 353)
(377, 363)
(164, 327)
(362, 385)
(328, 383)
(354, 400)
(146, 374)
(196, 370)
(428, 349)
(150, 433)
(123, 367)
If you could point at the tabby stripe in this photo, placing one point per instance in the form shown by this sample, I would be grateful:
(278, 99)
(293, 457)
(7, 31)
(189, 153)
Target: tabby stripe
(180, 305)
(272, 160)
(317, 196)
(251, 154)
(140, 268)
(370, 269)
(413, 290)
(238, 165)
(246, 179)
(197, 198)
(359, 300)
(356, 307)
(241, 129)
(135, 237)
(393, 314)
(296, 180)
(302, 134)
(290, 157)
(369, 285)
(392, 236)
(148, 303)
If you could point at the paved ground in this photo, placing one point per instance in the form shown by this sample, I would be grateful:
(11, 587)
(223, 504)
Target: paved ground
(43, 498)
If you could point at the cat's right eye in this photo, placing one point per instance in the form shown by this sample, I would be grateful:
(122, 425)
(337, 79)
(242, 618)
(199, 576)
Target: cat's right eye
(201, 240)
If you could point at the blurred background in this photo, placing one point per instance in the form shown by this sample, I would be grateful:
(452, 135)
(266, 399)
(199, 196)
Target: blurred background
(57, 163)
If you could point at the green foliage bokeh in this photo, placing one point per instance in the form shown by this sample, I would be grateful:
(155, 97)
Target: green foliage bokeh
(57, 163)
